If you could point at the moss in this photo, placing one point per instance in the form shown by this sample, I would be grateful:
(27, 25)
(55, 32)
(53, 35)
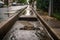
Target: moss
(57, 15)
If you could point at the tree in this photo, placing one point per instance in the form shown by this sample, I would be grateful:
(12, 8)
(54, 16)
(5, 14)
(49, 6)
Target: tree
(42, 4)
(50, 7)
(22, 1)
(6, 2)
(56, 5)
(31, 2)
(13, 0)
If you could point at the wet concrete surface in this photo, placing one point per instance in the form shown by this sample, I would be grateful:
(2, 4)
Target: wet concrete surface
(28, 34)
(8, 12)
(27, 30)
(16, 34)
(28, 13)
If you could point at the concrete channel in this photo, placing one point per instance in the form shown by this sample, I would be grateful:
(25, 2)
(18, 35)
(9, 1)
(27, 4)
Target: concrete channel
(27, 27)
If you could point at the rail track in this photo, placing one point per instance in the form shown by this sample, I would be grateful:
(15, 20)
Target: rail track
(25, 26)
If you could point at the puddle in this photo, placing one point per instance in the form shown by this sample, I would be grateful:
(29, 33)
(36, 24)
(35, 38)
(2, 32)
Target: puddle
(28, 12)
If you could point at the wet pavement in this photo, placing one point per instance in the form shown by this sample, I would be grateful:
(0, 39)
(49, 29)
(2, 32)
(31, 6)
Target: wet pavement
(28, 13)
(21, 34)
(27, 33)
(27, 30)
(8, 12)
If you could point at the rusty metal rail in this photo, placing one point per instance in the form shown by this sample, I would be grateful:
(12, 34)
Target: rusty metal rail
(6, 26)
(48, 28)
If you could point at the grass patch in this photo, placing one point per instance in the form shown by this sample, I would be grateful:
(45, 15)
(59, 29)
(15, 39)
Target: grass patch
(57, 15)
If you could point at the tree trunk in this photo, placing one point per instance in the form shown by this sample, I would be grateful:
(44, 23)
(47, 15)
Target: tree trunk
(50, 7)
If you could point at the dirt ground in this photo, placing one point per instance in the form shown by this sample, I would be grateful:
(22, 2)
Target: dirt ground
(50, 20)
(53, 22)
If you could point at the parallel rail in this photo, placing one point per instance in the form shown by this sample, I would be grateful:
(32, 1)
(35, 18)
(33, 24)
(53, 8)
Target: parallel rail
(6, 26)
(49, 29)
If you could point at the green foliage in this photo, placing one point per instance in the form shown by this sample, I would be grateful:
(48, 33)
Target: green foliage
(42, 4)
(30, 1)
(56, 5)
(56, 9)
(22, 1)
(57, 15)
(13, 0)
(6, 2)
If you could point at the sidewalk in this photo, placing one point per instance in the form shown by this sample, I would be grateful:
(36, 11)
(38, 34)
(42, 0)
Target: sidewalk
(13, 9)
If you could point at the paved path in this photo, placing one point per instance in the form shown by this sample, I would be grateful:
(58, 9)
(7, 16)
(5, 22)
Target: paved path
(16, 34)
(11, 10)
